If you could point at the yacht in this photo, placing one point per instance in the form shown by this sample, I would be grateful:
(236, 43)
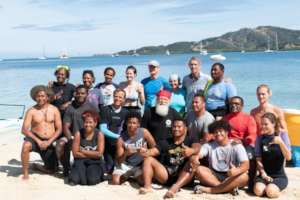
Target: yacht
(268, 50)
(217, 57)
(203, 51)
(168, 52)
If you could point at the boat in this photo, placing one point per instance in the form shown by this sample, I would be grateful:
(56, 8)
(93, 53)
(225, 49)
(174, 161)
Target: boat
(64, 55)
(203, 51)
(168, 52)
(292, 117)
(217, 57)
(7, 124)
(135, 53)
(268, 50)
(43, 57)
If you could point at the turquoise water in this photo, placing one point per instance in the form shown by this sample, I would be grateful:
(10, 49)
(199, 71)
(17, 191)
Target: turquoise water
(280, 70)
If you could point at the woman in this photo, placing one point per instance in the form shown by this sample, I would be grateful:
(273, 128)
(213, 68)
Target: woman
(272, 148)
(107, 87)
(218, 92)
(263, 93)
(178, 94)
(87, 149)
(134, 90)
(63, 91)
(94, 95)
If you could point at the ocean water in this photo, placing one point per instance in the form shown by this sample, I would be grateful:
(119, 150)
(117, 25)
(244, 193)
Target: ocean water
(280, 70)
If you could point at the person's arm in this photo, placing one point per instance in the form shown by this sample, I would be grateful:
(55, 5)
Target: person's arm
(104, 129)
(141, 94)
(26, 127)
(251, 133)
(149, 138)
(284, 149)
(235, 171)
(76, 146)
(58, 126)
(282, 121)
(67, 131)
(120, 151)
(100, 148)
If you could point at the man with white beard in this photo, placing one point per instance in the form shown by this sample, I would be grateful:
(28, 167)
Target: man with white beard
(158, 120)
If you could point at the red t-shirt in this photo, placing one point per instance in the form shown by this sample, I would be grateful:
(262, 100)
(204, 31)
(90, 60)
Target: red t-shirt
(243, 127)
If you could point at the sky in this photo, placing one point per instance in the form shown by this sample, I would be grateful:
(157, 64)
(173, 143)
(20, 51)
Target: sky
(87, 27)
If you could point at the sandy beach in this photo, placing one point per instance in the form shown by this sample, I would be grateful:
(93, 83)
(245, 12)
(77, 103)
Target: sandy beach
(46, 187)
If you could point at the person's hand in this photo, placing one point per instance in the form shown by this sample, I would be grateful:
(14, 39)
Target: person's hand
(276, 140)
(144, 152)
(43, 145)
(267, 178)
(194, 163)
(187, 151)
(50, 84)
(233, 171)
(235, 141)
(58, 95)
(129, 151)
(64, 106)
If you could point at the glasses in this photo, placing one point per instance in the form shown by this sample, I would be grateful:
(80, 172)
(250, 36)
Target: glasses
(66, 67)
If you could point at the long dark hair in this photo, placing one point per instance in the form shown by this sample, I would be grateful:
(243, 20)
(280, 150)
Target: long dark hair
(274, 120)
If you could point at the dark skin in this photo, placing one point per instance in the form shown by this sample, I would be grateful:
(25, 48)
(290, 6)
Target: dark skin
(217, 73)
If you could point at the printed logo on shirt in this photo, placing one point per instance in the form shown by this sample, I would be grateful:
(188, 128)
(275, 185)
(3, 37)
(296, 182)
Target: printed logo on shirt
(168, 123)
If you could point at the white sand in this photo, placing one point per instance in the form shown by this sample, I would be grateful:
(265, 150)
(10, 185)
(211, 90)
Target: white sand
(41, 186)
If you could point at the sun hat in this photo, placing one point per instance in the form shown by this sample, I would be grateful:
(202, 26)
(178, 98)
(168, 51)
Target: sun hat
(39, 88)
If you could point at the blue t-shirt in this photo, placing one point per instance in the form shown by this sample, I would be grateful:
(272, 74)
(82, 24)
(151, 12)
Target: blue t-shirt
(152, 87)
(218, 93)
(178, 100)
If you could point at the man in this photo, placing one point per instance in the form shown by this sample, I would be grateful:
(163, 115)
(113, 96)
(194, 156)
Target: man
(199, 119)
(158, 120)
(243, 128)
(194, 82)
(41, 127)
(228, 163)
(131, 149)
(112, 124)
(153, 84)
(72, 122)
(173, 154)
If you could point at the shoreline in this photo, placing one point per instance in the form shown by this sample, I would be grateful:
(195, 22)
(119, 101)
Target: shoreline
(43, 186)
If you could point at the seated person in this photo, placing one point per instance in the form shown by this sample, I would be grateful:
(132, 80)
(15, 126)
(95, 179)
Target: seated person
(272, 149)
(228, 163)
(173, 154)
(243, 129)
(131, 149)
(41, 127)
(87, 149)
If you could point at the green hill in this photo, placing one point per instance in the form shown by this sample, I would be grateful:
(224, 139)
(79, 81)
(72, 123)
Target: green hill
(244, 39)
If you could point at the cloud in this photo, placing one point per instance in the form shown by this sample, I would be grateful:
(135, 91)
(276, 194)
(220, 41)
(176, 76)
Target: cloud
(83, 26)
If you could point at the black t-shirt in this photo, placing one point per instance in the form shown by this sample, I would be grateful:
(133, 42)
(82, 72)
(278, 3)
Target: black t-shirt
(160, 127)
(115, 121)
(171, 154)
(89, 145)
(67, 91)
(73, 115)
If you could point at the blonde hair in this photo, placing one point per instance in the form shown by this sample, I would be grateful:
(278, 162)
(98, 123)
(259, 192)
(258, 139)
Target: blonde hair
(263, 86)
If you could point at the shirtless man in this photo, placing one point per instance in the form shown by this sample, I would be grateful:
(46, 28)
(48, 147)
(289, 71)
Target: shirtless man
(263, 92)
(41, 127)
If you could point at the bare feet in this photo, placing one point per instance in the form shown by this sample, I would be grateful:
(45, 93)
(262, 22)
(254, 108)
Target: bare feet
(198, 189)
(145, 190)
(25, 177)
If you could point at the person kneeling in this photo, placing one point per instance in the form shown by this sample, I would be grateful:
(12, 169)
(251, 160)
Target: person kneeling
(228, 163)
(87, 149)
(131, 150)
(173, 154)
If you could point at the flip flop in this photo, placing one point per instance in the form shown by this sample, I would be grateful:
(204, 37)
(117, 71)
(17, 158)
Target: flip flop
(198, 189)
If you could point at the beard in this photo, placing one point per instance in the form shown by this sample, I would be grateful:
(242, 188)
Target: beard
(162, 110)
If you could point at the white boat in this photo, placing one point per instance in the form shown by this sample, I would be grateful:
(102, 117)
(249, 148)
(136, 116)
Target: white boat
(217, 57)
(203, 51)
(168, 52)
(268, 50)
(135, 53)
(7, 124)
(43, 57)
(63, 56)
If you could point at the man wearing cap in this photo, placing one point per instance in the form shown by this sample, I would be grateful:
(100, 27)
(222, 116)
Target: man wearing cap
(195, 82)
(158, 120)
(41, 127)
(153, 84)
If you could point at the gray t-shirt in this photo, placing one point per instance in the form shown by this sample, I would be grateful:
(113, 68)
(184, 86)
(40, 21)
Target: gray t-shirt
(198, 126)
(220, 157)
(193, 86)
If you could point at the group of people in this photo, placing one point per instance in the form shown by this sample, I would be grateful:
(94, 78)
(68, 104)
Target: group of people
(175, 133)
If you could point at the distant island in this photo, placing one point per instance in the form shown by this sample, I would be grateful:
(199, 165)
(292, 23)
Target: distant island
(261, 38)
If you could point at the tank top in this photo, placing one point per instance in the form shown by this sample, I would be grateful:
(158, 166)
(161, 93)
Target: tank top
(132, 95)
(134, 143)
(89, 145)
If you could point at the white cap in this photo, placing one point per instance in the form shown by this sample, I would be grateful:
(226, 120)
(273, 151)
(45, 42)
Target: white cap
(153, 63)
(174, 77)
